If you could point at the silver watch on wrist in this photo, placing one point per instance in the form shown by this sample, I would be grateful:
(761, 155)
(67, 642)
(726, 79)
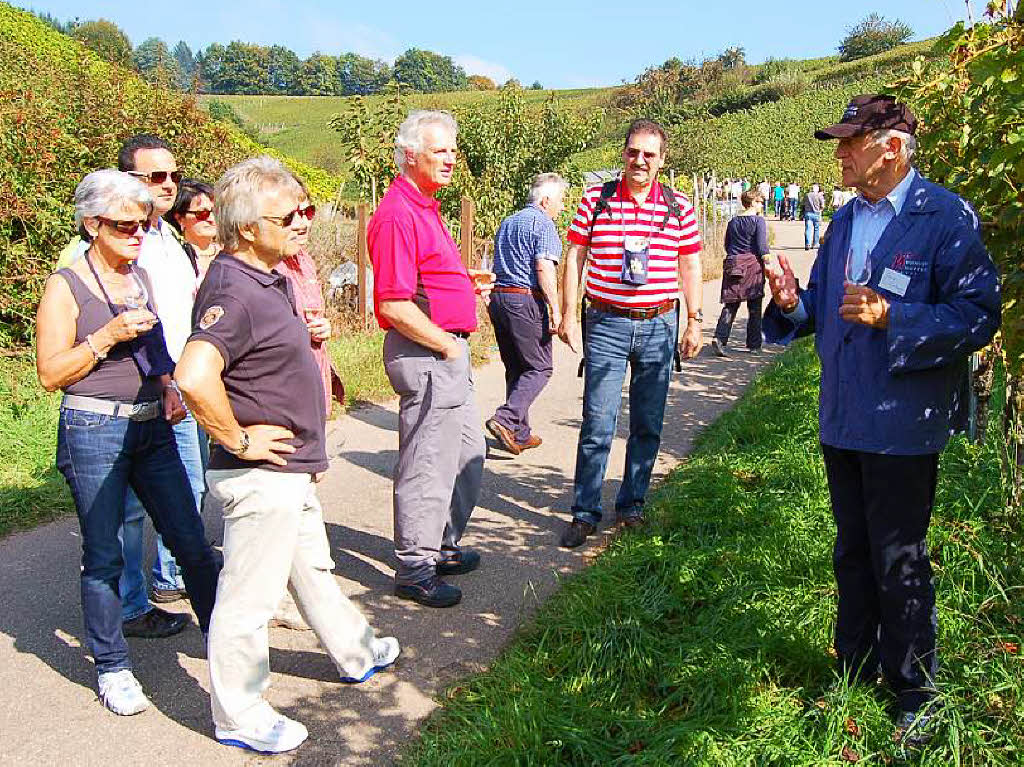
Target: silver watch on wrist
(244, 445)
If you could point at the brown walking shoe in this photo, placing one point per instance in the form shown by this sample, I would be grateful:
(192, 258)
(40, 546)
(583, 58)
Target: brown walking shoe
(504, 435)
(532, 441)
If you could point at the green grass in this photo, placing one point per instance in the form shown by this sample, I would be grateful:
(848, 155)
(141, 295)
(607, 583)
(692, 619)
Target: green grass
(298, 125)
(704, 640)
(31, 489)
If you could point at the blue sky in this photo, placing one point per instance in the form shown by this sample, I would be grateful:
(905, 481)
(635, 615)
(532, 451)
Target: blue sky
(567, 44)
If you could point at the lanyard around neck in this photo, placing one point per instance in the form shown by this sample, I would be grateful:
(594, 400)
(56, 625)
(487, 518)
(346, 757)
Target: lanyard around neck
(103, 289)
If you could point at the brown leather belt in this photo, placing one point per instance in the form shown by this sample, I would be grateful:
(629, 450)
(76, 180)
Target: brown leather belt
(642, 313)
(514, 289)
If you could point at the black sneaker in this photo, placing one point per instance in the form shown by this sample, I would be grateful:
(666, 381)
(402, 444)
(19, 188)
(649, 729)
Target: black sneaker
(457, 561)
(915, 729)
(576, 533)
(166, 596)
(156, 624)
(431, 592)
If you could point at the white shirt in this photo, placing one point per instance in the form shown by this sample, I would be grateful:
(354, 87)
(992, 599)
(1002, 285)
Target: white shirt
(793, 192)
(174, 284)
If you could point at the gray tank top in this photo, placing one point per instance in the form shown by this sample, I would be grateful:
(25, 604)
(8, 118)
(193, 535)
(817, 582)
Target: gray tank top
(117, 377)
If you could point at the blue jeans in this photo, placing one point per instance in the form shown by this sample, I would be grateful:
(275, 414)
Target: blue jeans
(101, 457)
(612, 342)
(194, 453)
(812, 220)
(778, 207)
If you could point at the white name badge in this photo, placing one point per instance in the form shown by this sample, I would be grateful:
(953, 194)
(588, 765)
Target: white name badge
(894, 282)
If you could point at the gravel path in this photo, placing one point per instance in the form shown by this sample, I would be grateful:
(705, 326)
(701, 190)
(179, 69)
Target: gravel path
(48, 706)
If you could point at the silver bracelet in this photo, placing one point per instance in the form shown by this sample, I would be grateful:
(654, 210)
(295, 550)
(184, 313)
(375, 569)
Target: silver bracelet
(95, 352)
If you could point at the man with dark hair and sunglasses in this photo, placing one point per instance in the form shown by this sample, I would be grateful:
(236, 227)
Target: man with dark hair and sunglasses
(643, 247)
(175, 279)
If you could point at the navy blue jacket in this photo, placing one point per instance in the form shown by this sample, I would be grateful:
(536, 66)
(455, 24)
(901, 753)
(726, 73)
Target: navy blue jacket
(900, 390)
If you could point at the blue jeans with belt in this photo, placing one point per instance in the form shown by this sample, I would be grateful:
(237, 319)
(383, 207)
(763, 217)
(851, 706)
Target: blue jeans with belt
(647, 347)
(102, 456)
(194, 454)
(812, 222)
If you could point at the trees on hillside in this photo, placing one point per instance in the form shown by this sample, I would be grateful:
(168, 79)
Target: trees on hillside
(106, 39)
(429, 72)
(874, 34)
(481, 83)
(156, 65)
(186, 65)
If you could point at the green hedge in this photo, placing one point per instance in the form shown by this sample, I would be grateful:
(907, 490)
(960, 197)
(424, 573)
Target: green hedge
(63, 113)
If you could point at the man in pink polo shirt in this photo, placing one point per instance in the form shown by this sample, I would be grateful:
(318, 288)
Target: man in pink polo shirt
(425, 299)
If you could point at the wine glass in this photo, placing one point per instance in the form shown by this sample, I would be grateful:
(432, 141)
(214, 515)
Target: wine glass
(858, 270)
(136, 296)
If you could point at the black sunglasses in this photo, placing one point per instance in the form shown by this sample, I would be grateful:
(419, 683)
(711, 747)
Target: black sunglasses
(124, 227)
(158, 176)
(286, 220)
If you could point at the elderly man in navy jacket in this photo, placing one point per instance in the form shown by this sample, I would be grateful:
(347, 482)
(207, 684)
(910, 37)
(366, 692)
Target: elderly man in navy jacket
(902, 291)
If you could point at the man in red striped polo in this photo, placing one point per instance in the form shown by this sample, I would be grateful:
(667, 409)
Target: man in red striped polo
(641, 244)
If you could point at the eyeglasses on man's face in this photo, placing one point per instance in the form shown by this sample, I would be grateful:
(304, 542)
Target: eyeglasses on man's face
(286, 220)
(157, 176)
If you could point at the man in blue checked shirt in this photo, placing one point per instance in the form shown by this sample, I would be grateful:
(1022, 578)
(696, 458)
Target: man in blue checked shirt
(524, 307)
(902, 291)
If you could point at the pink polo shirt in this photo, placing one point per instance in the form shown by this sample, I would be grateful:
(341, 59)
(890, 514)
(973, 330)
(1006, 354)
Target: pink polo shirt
(415, 258)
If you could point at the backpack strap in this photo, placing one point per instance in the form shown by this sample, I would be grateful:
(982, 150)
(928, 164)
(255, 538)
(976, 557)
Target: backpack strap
(608, 189)
(672, 204)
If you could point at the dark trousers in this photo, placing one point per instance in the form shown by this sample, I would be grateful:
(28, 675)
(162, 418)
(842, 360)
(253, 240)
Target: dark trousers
(728, 315)
(521, 326)
(882, 506)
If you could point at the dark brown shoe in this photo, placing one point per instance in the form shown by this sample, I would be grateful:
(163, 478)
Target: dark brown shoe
(533, 441)
(576, 533)
(632, 522)
(504, 436)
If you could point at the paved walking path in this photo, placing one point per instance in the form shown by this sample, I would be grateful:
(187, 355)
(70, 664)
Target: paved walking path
(49, 713)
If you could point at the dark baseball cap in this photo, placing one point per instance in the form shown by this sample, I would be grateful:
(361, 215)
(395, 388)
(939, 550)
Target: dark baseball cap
(868, 113)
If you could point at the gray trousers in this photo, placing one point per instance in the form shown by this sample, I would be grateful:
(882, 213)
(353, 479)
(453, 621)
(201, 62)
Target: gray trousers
(440, 453)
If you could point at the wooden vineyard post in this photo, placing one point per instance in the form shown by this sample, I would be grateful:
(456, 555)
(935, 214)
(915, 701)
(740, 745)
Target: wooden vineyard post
(362, 257)
(466, 227)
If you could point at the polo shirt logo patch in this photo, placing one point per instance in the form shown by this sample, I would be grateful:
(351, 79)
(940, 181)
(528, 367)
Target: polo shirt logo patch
(211, 317)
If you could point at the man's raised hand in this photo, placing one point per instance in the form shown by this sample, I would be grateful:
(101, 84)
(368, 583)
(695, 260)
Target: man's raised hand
(782, 283)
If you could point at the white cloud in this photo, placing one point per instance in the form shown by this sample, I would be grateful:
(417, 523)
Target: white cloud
(474, 65)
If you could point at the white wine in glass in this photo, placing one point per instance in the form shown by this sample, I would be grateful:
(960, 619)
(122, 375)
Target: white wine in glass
(136, 296)
(858, 270)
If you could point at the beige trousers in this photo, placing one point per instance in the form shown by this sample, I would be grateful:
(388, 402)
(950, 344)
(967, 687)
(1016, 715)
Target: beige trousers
(274, 538)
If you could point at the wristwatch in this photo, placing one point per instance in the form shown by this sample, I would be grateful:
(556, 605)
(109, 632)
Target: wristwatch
(244, 440)
(697, 315)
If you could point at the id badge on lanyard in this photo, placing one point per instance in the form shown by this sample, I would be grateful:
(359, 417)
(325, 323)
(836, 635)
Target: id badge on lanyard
(636, 255)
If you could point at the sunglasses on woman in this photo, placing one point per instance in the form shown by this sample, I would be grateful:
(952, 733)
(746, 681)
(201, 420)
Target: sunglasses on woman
(200, 215)
(157, 176)
(286, 220)
(124, 227)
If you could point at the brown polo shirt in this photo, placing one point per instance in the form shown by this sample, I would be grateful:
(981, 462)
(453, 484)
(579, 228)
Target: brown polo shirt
(269, 372)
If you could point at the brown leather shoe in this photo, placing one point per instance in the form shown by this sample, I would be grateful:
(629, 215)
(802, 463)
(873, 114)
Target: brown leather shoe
(533, 441)
(504, 436)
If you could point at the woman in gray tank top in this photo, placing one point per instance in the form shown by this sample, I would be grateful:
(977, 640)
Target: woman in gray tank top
(99, 341)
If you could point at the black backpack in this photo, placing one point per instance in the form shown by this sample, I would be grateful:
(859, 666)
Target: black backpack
(609, 188)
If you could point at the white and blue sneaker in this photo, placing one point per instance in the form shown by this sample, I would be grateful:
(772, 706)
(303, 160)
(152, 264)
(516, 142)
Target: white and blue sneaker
(385, 652)
(121, 693)
(274, 735)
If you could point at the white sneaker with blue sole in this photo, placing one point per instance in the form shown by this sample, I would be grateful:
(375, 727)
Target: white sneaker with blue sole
(275, 735)
(385, 652)
(121, 693)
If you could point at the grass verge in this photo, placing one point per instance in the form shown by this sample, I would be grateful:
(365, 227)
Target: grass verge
(705, 639)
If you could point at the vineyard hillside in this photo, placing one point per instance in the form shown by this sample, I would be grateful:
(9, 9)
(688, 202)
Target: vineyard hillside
(775, 140)
(64, 113)
(298, 125)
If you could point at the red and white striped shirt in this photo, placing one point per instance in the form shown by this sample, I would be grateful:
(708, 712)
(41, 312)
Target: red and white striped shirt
(624, 217)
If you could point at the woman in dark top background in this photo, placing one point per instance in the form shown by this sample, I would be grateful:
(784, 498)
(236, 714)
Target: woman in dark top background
(746, 244)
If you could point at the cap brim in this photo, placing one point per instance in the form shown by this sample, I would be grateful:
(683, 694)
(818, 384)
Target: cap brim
(840, 130)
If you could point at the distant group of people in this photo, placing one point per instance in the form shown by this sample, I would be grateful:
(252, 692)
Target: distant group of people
(156, 321)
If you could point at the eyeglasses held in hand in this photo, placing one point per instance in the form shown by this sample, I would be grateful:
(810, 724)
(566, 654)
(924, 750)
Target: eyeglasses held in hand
(157, 176)
(286, 220)
(124, 227)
